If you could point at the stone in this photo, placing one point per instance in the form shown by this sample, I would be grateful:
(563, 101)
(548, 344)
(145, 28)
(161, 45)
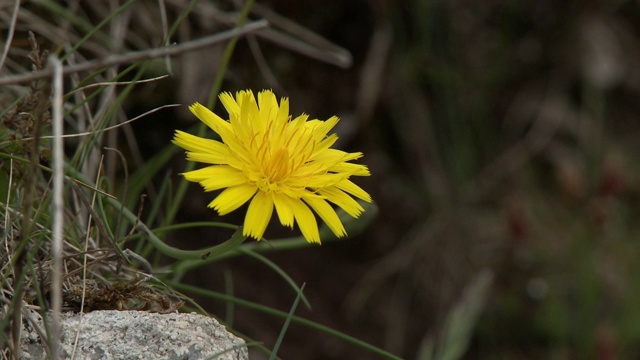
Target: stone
(137, 335)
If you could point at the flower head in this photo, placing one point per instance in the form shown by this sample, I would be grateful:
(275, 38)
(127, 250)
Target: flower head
(274, 161)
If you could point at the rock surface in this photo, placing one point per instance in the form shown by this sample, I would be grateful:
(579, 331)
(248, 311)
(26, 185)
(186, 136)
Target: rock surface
(139, 335)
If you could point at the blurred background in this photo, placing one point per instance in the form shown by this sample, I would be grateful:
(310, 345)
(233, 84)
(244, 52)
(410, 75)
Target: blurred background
(502, 137)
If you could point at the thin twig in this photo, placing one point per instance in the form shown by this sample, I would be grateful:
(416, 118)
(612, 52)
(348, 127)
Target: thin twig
(165, 32)
(143, 54)
(93, 132)
(58, 202)
(12, 28)
(263, 65)
(99, 224)
(298, 38)
(341, 59)
(108, 83)
(7, 214)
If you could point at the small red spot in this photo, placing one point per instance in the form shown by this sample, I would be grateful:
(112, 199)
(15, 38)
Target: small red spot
(517, 223)
(611, 183)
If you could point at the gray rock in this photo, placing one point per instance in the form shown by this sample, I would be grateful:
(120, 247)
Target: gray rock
(139, 335)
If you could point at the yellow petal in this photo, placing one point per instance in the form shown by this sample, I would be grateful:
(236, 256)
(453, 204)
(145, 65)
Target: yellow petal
(212, 120)
(329, 157)
(238, 152)
(266, 99)
(296, 124)
(283, 112)
(307, 171)
(229, 103)
(248, 111)
(232, 198)
(353, 189)
(352, 156)
(208, 158)
(258, 215)
(306, 221)
(197, 144)
(284, 209)
(328, 215)
(324, 145)
(344, 201)
(198, 175)
(320, 129)
(216, 177)
(320, 181)
(351, 169)
(268, 105)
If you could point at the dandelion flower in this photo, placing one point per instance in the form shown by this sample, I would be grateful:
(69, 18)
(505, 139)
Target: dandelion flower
(272, 161)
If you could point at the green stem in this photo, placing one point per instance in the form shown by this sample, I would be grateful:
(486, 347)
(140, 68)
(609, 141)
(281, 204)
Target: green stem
(226, 57)
(354, 227)
(215, 251)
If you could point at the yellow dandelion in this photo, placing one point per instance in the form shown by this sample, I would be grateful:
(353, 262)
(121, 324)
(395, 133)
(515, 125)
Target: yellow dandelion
(269, 159)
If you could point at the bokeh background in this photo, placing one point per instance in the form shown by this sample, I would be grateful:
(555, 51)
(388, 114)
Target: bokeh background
(503, 141)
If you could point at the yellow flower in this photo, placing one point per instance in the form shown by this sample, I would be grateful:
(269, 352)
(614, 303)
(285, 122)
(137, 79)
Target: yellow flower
(274, 161)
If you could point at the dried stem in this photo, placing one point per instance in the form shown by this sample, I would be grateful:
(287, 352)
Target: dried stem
(141, 55)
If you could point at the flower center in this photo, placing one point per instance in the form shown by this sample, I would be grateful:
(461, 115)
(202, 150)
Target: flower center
(274, 170)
